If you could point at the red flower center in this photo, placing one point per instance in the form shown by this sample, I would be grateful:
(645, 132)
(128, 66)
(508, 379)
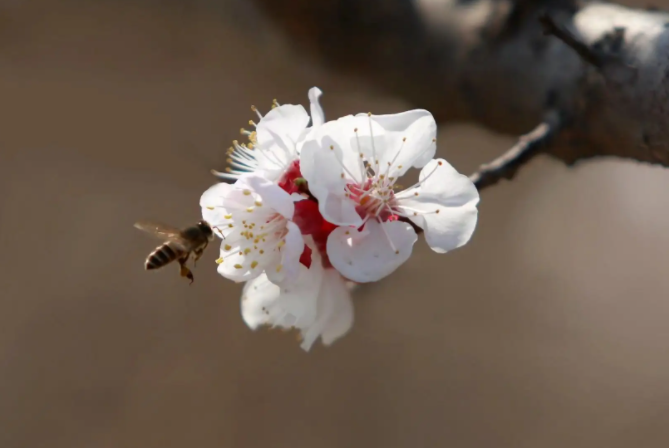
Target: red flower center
(307, 216)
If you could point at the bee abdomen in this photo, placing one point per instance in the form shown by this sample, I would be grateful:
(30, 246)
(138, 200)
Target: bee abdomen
(163, 255)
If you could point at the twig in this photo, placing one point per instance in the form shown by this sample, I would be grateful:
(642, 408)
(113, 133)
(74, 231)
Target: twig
(587, 53)
(529, 145)
(611, 65)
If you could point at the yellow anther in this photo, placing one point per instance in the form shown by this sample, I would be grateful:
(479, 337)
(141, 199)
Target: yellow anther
(228, 160)
(251, 123)
(258, 203)
(230, 225)
(348, 233)
(250, 209)
(331, 147)
(262, 251)
(219, 260)
(228, 170)
(238, 266)
(250, 146)
(281, 244)
(242, 131)
(279, 267)
(228, 247)
(247, 251)
(229, 216)
(254, 264)
(247, 192)
(369, 114)
(253, 108)
(210, 208)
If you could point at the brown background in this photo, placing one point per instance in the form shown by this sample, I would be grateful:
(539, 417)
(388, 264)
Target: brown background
(549, 330)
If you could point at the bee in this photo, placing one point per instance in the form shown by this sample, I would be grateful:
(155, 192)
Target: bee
(178, 245)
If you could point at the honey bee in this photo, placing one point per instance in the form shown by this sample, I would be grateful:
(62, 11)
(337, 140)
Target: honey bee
(178, 245)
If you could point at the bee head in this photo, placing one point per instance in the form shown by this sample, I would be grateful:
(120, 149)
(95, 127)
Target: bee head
(205, 228)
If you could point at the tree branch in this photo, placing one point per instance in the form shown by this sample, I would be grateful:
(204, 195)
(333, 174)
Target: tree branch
(490, 62)
(528, 146)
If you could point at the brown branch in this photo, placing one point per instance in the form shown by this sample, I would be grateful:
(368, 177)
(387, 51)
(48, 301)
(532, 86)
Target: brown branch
(489, 62)
(528, 146)
(586, 52)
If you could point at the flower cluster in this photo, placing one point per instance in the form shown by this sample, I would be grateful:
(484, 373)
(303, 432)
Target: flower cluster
(315, 205)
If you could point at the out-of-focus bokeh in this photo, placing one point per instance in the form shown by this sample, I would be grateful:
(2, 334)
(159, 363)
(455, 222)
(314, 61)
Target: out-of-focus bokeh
(550, 329)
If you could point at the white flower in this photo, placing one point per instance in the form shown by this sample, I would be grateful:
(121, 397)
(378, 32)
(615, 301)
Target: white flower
(253, 217)
(351, 166)
(272, 147)
(317, 304)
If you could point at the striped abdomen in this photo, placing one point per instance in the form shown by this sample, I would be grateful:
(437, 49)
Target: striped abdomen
(164, 254)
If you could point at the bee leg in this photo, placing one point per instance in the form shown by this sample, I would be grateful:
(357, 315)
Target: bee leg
(198, 253)
(184, 271)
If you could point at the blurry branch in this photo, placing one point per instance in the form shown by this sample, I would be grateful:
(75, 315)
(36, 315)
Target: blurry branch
(528, 146)
(504, 64)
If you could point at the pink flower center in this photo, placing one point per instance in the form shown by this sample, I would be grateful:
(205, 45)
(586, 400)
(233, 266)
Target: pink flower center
(372, 203)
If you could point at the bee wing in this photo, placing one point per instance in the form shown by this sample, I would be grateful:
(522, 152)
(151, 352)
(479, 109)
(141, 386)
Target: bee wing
(159, 230)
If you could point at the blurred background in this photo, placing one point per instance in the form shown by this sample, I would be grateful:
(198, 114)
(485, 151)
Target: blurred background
(548, 330)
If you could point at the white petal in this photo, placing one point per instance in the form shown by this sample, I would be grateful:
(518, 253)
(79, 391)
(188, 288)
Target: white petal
(450, 192)
(271, 195)
(335, 292)
(328, 164)
(339, 210)
(214, 195)
(212, 202)
(240, 264)
(264, 303)
(290, 253)
(286, 122)
(277, 135)
(318, 303)
(399, 141)
(317, 114)
(368, 255)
